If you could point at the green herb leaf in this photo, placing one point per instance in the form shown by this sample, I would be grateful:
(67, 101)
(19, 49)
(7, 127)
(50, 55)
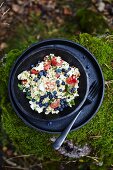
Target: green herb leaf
(29, 97)
(72, 102)
(49, 57)
(20, 86)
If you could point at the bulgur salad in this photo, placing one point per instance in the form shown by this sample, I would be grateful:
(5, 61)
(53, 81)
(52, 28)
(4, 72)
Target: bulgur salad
(51, 85)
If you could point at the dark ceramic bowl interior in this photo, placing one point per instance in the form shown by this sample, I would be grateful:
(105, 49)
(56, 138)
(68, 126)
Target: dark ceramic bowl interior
(24, 64)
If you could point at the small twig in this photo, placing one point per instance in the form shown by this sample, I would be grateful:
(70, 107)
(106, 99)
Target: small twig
(4, 23)
(107, 83)
(1, 4)
(15, 167)
(109, 38)
(40, 165)
(70, 161)
(93, 158)
(106, 65)
(5, 13)
(19, 156)
(9, 162)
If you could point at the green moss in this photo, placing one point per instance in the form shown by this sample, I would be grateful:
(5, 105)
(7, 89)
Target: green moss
(91, 22)
(30, 141)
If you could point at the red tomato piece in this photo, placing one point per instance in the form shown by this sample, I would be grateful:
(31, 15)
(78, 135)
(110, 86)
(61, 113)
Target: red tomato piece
(74, 79)
(24, 82)
(47, 66)
(57, 75)
(55, 104)
(71, 80)
(60, 63)
(55, 63)
(33, 71)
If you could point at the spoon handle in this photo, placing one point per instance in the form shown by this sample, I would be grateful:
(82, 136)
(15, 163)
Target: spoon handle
(61, 138)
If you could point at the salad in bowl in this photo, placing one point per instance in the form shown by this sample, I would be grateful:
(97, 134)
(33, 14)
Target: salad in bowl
(50, 85)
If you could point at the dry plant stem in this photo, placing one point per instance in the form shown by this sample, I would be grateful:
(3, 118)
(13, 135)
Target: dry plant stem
(1, 4)
(93, 158)
(20, 156)
(5, 13)
(2, 15)
(107, 83)
(9, 162)
(9, 167)
(109, 38)
(95, 137)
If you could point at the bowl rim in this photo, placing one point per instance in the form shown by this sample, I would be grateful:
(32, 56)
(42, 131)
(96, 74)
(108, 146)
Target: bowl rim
(53, 119)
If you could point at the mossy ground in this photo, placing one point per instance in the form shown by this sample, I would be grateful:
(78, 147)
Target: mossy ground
(98, 133)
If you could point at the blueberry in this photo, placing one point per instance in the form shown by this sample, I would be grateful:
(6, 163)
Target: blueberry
(46, 104)
(26, 89)
(55, 109)
(58, 85)
(69, 68)
(33, 100)
(63, 106)
(57, 82)
(58, 70)
(45, 96)
(60, 90)
(66, 71)
(72, 90)
(48, 93)
(28, 93)
(50, 96)
(44, 110)
(63, 70)
(54, 92)
(64, 100)
(35, 79)
(37, 102)
(41, 97)
(39, 76)
(41, 73)
(65, 75)
(61, 109)
(41, 100)
(61, 103)
(44, 73)
(58, 108)
(63, 83)
(55, 97)
(32, 65)
(40, 104)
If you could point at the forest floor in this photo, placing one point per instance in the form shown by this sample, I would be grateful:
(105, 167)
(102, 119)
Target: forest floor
(52, 16)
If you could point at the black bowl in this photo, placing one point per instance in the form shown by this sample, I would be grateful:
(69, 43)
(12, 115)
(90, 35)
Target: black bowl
(32, 58)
